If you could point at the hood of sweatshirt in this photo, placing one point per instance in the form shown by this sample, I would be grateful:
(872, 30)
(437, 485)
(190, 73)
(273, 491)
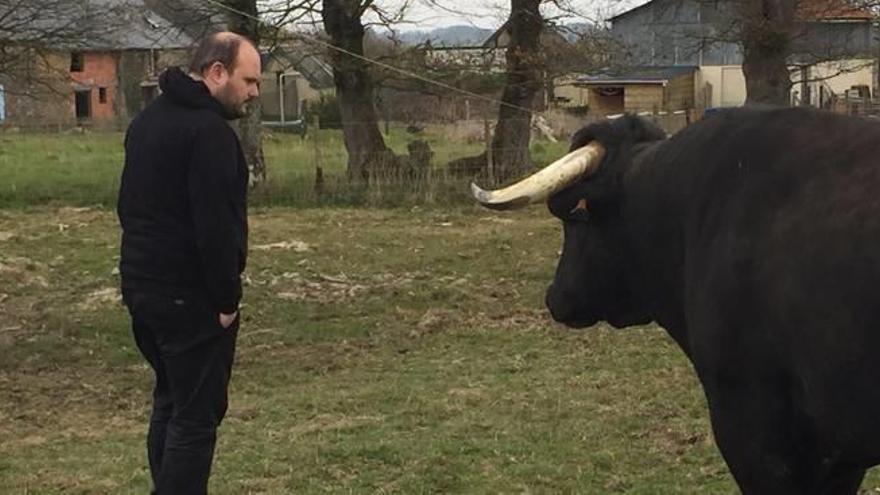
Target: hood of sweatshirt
(188, 92)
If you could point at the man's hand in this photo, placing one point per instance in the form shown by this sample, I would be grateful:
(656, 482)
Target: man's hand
(227, 320)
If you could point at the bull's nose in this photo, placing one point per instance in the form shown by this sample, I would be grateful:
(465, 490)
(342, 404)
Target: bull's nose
(565, 308)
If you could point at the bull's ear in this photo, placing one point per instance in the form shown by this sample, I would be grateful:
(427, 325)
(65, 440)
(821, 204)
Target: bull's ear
(581, 138)
(580, 212)
(580, 206)
(595, 192)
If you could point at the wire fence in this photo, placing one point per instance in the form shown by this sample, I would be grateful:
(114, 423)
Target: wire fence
(862, 107)
(432, 163)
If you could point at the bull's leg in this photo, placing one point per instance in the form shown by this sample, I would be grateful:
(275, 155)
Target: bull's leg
(756, 431)
(843, 480)
(753, 433)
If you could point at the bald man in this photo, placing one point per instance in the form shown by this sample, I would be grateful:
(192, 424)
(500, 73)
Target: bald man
(182, 207)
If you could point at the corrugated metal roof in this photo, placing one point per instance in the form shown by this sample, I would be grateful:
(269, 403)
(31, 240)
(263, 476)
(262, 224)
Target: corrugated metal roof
(636, 75)
(94, 25)
(316, 71)
(829, 10)
(131, 24)
(807, 10)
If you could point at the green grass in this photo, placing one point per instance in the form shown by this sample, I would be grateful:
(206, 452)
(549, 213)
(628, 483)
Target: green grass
(390, 351)
(82, 169)
(397, 350)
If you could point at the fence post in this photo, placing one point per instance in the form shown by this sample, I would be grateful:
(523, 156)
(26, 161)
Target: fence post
(487, 136)
(319, 170)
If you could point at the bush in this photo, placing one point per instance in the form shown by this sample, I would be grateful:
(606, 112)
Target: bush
(327, 111)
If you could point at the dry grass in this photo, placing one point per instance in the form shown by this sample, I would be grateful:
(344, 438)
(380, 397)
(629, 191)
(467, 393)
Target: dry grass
(410, 354)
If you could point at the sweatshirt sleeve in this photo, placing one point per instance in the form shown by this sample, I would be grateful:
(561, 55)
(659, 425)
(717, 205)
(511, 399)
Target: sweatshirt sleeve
(212, 181)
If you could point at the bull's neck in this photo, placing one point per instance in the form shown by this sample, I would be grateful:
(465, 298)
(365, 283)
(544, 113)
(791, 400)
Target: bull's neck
(654, 208)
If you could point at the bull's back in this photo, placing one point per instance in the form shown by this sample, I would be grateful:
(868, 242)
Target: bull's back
(783, 260)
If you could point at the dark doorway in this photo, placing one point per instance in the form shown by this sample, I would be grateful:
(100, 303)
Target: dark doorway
(607, 100)
(83, 103)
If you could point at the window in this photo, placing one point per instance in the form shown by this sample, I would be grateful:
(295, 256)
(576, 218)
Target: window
(102, 95)
(77, 61)
(148, 94)
(82, 101)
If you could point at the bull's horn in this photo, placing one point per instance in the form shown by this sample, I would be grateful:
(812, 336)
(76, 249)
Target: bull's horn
(551, 179)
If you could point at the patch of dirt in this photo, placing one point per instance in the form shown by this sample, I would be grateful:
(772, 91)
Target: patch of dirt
(333, 422)
(478, 392)
(434, 320)
(100, 299)
(6, 337)
(19, 270)
(676, 441)
(93, 406)
(293, 286)
(503, 221)
(296, 246)
(515, 319)
(78, 215)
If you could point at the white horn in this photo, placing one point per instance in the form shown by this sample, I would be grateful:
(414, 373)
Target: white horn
(551, 179)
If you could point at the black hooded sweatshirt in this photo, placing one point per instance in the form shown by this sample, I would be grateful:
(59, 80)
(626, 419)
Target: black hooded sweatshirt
(183, 198)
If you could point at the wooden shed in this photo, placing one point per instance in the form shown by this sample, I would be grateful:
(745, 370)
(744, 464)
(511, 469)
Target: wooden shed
(639, 89)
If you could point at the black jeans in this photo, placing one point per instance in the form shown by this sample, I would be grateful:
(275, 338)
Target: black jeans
(192, 355)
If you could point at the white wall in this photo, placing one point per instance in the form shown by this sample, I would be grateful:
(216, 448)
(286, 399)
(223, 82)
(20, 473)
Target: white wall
(846, 74)
(577, 95)
(727, 82)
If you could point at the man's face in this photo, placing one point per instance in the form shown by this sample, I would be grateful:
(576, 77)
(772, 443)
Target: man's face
(242, 84)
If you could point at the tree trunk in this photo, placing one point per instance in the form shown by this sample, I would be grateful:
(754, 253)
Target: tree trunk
(251, 133)
(250, 127)
(367, 153)
(766, 40)
(510, 144)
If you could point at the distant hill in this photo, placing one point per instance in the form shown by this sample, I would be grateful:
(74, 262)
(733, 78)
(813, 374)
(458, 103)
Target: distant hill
(474, 36)
(448, 36)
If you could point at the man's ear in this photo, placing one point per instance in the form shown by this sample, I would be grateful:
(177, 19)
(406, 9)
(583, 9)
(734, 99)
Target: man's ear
(217, 72)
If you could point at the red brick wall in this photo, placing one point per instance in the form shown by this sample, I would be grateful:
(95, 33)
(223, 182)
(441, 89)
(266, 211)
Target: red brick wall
(99, 71)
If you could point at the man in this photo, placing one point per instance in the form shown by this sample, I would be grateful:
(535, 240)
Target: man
(182, 206)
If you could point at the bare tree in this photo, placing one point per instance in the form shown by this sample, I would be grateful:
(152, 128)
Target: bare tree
(32, 30)
(243, 19)
(766, 37)
(525, 72)
(509, 155)
(777, 35)
(367, 153)
(774, 37)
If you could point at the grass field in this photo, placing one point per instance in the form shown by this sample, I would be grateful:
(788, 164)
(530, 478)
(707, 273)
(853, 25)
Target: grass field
(382, 351)
(400, 350)
(82, 169)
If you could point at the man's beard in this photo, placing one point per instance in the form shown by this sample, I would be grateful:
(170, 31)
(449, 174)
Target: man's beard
(231, 111)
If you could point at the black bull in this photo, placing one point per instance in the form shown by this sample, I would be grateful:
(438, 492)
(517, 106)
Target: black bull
(753, 238)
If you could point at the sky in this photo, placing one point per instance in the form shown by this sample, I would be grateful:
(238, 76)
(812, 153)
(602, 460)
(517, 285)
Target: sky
(492, 13)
